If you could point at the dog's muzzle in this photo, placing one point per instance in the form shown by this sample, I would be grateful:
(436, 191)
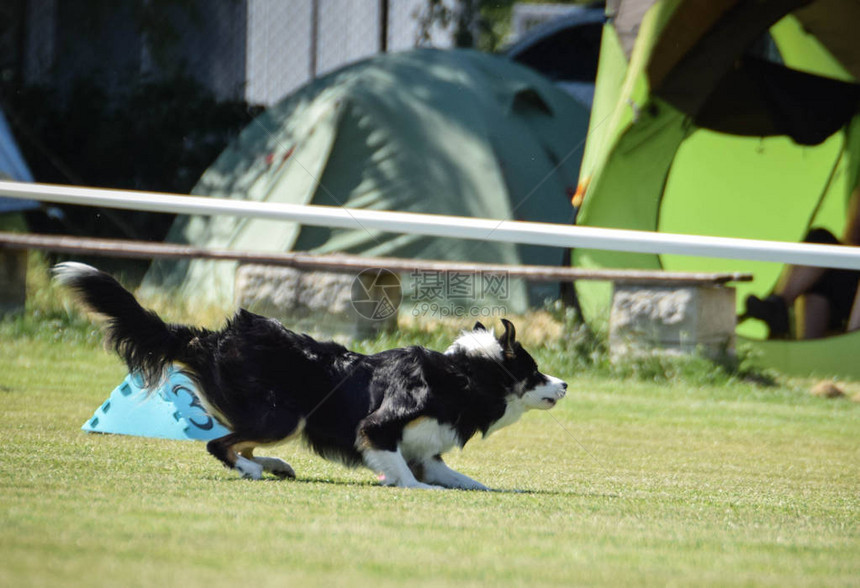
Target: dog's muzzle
(558, 388)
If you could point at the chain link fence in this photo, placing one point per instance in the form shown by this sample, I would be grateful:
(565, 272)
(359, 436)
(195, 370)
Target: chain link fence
(255, 51)
(144, 94)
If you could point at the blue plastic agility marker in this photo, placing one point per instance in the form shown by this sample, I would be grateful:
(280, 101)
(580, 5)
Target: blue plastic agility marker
(170, 412)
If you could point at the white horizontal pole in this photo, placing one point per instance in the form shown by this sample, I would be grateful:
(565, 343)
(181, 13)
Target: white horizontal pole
(437, 225)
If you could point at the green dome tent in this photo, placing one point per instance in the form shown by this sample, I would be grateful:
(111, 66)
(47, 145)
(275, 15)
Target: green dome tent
(449, 132)
(726, 118)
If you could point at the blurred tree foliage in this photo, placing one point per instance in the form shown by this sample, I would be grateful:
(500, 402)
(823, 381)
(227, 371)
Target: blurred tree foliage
(483, 24)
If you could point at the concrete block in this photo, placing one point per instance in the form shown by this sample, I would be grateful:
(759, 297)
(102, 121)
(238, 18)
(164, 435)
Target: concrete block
(13, 280)
(672, 319)
(315, 302)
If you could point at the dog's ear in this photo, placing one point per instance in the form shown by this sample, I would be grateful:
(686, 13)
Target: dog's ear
(479, 327)
(507, 339)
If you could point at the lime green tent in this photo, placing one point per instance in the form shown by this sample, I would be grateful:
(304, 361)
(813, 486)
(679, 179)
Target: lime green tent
(727, 118)
(449, 132)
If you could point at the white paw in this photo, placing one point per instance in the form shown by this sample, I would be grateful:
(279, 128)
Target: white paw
(421, 486)
(249, 469)
(276, 466)
(472, 485)
(408, 484)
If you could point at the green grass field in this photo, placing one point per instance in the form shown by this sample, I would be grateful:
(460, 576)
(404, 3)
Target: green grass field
(626, 482)
(678, 473)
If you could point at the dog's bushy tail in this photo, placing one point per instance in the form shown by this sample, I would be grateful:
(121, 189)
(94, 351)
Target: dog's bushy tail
(139, 336)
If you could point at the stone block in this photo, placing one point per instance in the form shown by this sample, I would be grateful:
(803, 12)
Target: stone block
(315, 302)
(13, 280)
(672, 319)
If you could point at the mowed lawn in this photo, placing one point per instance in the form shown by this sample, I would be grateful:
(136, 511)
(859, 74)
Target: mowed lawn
(624, 483)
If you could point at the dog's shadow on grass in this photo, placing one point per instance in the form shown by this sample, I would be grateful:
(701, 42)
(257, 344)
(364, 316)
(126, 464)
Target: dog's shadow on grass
(372, 484)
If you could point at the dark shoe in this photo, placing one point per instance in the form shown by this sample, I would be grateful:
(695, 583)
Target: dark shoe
(772, 310)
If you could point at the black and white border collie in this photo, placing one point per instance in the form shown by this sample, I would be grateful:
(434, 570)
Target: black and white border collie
(395, 412)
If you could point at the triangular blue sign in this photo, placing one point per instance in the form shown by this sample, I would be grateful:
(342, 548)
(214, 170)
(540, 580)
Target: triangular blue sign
(170, 412)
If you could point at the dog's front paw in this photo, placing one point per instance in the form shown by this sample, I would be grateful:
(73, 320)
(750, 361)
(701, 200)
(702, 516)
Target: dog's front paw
(472, 485)
(409, 484)
(422, 486)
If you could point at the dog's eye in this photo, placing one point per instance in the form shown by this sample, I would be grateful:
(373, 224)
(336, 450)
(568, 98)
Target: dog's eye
(536, 378)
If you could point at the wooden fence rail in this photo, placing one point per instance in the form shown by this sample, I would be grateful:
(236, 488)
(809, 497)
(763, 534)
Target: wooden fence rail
(348, 263)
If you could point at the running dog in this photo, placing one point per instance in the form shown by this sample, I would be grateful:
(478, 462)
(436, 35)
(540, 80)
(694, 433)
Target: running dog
(396, 412)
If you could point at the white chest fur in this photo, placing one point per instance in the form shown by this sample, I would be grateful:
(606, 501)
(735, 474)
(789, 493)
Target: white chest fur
(426, 437)
(513, 411)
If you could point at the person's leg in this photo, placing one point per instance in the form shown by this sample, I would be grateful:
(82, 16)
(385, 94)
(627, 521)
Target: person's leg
(854, 317)
(796, 281)
(812, 316)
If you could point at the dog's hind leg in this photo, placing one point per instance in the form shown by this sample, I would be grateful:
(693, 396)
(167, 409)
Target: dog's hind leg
(276, 466)
(236, 450)
(226, 450)
(237, 453)
(273, 465)
(290, 428)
